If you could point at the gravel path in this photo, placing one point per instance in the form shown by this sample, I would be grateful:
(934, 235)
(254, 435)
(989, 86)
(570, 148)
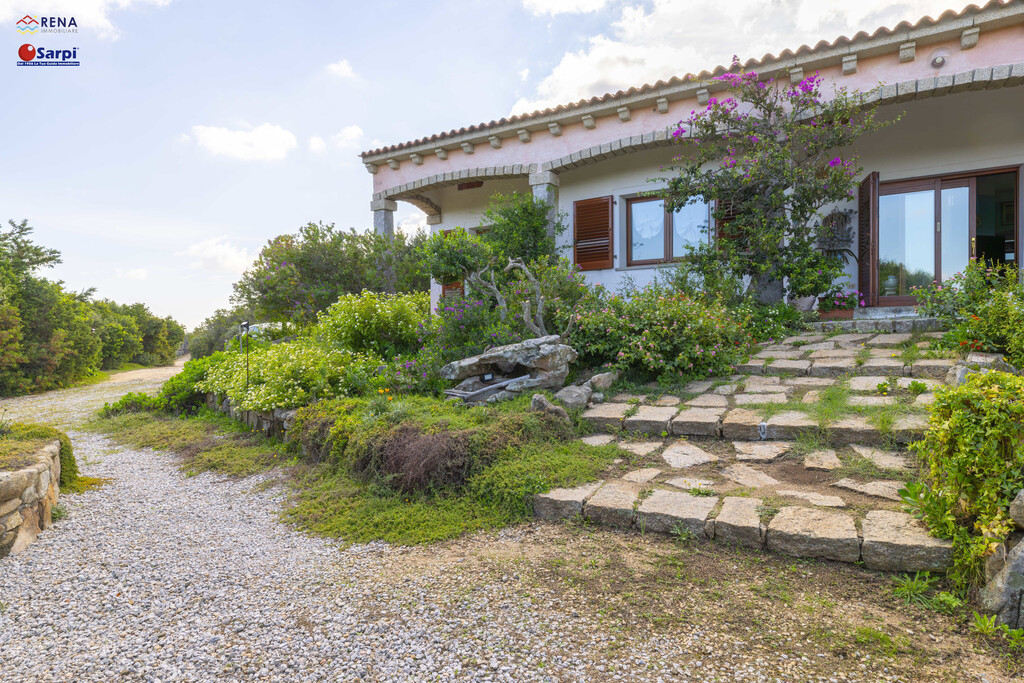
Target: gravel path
(159, 577)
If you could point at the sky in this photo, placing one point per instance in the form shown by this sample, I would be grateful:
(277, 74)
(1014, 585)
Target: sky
(193, 131)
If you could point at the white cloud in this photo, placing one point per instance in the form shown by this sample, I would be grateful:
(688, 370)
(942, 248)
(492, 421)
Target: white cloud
(348, 137)
(524, 74)
(674, 37)
(342, 69)
(266, 142)
(131, 273)
(413, 223)
(317, 144)
(219, 255)
(90, 15)
(552, 7)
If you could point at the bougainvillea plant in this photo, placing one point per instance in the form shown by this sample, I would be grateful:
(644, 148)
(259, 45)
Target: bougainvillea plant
(769, 156)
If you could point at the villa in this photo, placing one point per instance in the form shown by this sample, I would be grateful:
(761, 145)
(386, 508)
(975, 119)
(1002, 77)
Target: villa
(939, 187)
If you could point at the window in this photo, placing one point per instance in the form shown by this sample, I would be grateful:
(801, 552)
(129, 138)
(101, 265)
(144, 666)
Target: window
(656, 235)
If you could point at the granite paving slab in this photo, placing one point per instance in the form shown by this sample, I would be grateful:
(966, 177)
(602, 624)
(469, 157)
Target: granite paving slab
(650, 419)
(563, 503)
(665, 511)
(882, 488)
(760, 451)
(825, 459)
(739, 522)
(613, 504)
(744, 475)
(810, 532)
(642, 476)
(887, 460)
(815, 498)
(606, 415)
(687, 483)
(685, 454)
(640, 448)
(896, 542)
(697, 421)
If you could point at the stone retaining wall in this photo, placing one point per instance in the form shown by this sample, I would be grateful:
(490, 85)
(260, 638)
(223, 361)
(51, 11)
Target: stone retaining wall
(27, 497)
(275, 422)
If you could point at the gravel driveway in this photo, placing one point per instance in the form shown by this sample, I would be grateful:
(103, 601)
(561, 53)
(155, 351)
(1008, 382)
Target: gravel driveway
(159, 577)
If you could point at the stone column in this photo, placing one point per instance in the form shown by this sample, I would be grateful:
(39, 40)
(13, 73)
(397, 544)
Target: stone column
(384, 216)
(544, 185)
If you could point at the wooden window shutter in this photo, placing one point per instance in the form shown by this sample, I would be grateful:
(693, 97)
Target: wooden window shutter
(451, 289)
(725, 214)
(592, 238)
(867, 239)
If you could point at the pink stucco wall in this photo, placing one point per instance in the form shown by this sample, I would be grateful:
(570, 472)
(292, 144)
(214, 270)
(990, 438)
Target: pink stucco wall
(996, 47)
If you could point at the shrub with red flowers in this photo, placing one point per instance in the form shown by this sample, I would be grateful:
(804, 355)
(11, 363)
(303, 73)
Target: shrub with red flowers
(658, 333)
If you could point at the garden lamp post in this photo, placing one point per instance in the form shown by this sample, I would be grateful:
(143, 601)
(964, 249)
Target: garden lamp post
(243, 330)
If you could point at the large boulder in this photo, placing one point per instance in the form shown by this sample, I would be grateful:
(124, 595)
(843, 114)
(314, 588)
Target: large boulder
(544, 360)
(541, 404)
(1002, 595)
(575, 397)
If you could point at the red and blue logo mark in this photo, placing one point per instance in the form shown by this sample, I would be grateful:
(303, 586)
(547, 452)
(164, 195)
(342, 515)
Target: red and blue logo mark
(27, 24)
(30, 55)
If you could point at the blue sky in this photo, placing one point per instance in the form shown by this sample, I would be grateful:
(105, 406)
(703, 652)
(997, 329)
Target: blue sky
(194, 131)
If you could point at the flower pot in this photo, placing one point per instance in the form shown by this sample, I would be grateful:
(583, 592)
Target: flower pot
(836, 315)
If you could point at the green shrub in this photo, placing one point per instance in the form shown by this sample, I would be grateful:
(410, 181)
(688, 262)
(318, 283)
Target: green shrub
(984, 306)
(518, 227)
(973, 453)
(132, 402)
(383, 324)
(451, 256)
(181, 393)
(290, 375)
(768, 322)
(659, 333)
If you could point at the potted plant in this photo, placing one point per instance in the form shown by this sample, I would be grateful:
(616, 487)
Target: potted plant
(839, 304)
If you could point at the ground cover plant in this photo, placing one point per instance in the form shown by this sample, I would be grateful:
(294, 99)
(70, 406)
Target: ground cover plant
(19, 441)
(972, 453)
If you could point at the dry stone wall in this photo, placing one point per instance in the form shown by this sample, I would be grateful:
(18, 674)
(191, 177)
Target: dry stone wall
(27, 497)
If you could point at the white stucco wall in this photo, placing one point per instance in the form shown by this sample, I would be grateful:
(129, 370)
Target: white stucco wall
(955, 133)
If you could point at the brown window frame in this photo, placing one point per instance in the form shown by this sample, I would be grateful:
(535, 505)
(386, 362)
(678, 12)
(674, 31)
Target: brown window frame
(935, 183)
(669, 230)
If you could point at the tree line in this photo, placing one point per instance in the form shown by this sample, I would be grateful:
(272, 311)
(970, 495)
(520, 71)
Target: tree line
(51, 337)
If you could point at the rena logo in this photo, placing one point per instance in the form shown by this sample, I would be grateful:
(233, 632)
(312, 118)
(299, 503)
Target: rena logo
(29, 55)
(27, 24)
(31, 24)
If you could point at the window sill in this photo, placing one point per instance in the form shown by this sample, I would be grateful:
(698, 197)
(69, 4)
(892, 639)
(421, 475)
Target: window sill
(647, 266)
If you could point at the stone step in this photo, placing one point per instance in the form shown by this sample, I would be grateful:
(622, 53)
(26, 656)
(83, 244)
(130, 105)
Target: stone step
(744, 424)
(887, 540)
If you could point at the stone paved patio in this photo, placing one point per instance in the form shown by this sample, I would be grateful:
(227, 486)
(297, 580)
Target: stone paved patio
(798, 452)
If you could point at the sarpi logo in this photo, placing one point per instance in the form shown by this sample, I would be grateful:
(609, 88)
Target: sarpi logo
(27, 24)
(30, 55)
(33, 24)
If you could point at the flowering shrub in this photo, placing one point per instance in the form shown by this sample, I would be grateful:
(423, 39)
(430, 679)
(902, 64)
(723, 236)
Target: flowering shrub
(385, 324)
(770, 156)
(841, 300)
(984, 305)
(291, 375)
(768, 322)
(660, 333)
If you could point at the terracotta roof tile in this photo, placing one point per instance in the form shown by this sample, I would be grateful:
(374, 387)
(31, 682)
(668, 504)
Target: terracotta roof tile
(801, 51)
